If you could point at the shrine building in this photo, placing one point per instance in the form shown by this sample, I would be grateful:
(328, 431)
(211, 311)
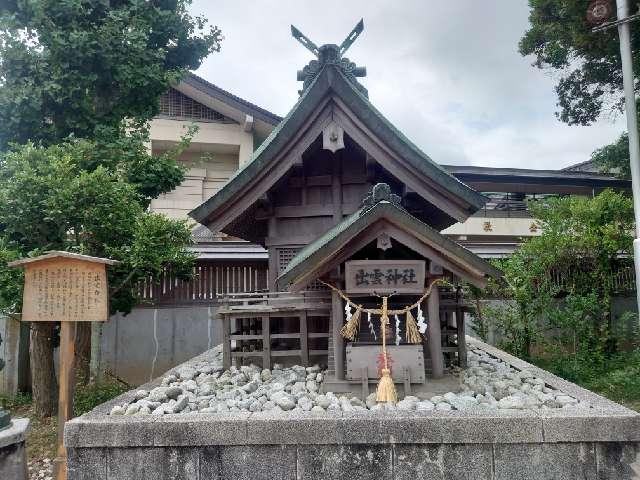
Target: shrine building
(350, 212)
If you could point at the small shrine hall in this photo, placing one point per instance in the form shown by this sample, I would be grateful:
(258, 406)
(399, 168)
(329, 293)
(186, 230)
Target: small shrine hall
(350, 211)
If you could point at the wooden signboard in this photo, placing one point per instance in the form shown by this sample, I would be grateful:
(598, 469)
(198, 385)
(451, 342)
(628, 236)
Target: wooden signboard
(65, 289)
(385, 276)
(68, 288)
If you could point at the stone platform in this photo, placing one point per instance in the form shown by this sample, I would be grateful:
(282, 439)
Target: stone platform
(599, 442)
(13, 458)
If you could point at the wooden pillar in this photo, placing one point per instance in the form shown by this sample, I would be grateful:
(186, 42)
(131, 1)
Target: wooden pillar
(435, 337)
(65, 392)
(226, 342)
(461, 334)
(304, 339)
(266, 342)
(337, 310)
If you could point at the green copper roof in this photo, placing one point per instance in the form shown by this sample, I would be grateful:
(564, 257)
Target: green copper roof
(331, 79)
(373, 210)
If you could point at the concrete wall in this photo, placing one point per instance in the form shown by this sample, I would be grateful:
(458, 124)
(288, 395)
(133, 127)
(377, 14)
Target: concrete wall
(140, 346)
(14, 350)
(601, 442)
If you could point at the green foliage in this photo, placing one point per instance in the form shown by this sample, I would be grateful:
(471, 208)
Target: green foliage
(79, 81)
(88, 397)
(587, 64)
(613, 159)
(560, 283)
(49, 201)
(10, 279)
(20, 400)
(75, 67)
(616, 377)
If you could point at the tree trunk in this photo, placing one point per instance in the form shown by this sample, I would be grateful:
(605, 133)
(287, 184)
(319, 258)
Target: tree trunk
(83, 352)
(43, 376)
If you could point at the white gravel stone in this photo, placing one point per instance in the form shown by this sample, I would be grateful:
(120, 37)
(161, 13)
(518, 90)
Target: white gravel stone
(204, 387)
(424, 406)
(118, 410)
(132, 409)
(173, 392)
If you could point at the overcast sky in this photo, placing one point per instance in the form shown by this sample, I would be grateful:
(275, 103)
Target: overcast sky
(447, 74)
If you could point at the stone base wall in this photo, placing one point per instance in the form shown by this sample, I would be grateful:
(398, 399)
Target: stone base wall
(599, 442)
(566, 461)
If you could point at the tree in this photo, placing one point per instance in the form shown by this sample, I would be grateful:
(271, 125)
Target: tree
(79, 79)
(563, 280)
(72, 67)
(560, 39)
(614, 158)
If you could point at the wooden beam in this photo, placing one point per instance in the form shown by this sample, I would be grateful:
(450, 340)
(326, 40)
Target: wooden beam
(266, 342)
(226, 342)
(434, 334)
(304, 341)
(461, 332)
(65, 392)
(338, 341)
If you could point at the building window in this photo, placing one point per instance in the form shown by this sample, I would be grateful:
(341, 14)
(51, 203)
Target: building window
(175, 104)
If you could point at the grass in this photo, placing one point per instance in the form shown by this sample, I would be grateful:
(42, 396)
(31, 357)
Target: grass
(41, 441)
(617, 377)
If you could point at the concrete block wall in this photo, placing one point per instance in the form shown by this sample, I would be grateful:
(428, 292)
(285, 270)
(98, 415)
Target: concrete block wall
(140, 346)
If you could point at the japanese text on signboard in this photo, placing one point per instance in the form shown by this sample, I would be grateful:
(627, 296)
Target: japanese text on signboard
(363, 276)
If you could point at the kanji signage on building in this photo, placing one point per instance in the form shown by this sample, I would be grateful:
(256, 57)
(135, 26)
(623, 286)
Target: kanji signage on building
(385, 276)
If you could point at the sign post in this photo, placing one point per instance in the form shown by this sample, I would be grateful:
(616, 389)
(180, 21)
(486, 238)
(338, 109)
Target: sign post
(69, 288)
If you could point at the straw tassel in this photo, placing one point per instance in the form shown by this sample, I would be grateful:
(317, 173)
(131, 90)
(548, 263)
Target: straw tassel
(386, 389)
(350, 329)
(412, 334)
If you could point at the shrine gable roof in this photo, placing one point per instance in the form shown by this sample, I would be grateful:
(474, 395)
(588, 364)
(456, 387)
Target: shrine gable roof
(266, 166)
(382, 213)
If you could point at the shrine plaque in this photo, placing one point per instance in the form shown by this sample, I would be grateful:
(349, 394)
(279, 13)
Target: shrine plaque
(65, 288)
(385, 276)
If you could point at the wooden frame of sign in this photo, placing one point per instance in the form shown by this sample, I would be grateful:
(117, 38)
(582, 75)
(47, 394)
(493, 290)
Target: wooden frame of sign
(384, 276)
(68, 288)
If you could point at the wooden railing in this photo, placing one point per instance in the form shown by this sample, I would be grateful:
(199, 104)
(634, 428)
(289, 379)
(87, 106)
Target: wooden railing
(208, 282)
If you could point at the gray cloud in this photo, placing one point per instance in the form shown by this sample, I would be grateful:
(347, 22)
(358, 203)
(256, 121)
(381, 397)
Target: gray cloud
(447, 74)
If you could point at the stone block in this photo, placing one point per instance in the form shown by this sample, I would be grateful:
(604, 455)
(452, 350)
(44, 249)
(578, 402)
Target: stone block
(269, 428)
(273, 462)
(391, 428)
(591, 425)
(201, 429)
(152, 463)
(490, 427)
(618, 461)
(566, 461)
(442, 462)
(13, 464)
(86, 463)
(117, 431)
(15, 433)
(345, 462)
